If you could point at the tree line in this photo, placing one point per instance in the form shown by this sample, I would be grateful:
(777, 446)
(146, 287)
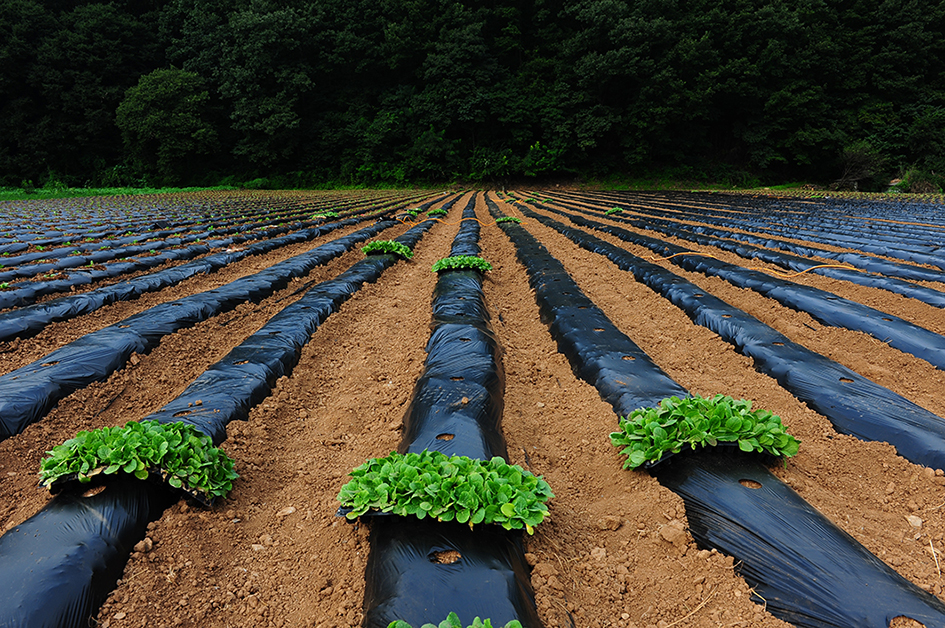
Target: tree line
(399, 91)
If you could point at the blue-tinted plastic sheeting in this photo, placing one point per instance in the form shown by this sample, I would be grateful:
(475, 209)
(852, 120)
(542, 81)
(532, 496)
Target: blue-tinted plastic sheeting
(59, 565)
(466, 241)
(823, 306)
(71, 553)
(854, 404)
(28, 393)
(804, 569)
(713, 237)
(27, 321)
(245, 376)
(808, 571)
(460, 390)
(458, 398)
(27, 292)
(756, 217)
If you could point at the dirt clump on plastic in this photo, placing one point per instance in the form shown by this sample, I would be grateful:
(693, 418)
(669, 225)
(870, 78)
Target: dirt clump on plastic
(616, 550)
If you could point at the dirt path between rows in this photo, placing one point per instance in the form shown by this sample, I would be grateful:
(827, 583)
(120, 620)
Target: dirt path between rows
(615, 551)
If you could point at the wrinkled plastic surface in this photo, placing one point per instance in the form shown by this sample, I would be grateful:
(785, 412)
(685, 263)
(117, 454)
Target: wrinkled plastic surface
(709, 236)
(854, 404)
(267, 226)
(458, 398)
(30, 320)
(462, 363)
(228, 389)
(58, 566)
(27, 393)
(823, 306)
(402, 581)
(805, 569)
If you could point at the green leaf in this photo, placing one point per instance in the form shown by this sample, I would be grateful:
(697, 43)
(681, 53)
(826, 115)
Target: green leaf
(462, 262)
(387, 246)
(179, 451)
(649, 433)
(430, 483)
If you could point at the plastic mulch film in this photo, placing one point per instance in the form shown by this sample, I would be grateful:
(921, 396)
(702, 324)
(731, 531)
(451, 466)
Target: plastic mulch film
(83, 543)
(854, 404)
(419, 571)
(804, 569)
(59, 565)
(28, 393)
(228, 389)
(823, 306)
(27, 321)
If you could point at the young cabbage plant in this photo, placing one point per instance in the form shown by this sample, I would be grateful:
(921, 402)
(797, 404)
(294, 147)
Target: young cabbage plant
(452, 621)
(177, 452)
(380, 247)
(462, 262)
(648, 434)
(447, 488)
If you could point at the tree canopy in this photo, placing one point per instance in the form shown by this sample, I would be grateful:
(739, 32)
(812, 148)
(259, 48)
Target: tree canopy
(392, 91)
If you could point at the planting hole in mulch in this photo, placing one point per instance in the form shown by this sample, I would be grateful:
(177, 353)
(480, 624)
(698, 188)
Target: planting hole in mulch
(447, 557)
(905, 622)
(445, 436)
(846, 380)
(95, 490)
(750, 484)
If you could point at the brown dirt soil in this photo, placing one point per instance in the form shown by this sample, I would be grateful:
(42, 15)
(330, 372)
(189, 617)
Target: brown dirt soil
(616, 550)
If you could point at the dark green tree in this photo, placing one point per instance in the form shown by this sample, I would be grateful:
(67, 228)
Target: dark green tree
(164, 123)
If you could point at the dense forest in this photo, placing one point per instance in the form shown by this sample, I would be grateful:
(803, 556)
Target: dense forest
(391, 92)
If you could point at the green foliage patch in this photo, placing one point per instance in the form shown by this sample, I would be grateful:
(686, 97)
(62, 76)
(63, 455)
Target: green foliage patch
(387, 246)
(613, 210)
(437, 212)
(448, 488)
(649, 433)
(508, 219)
(452, 621)
(183, 456)
(325, 215)
(462, 262)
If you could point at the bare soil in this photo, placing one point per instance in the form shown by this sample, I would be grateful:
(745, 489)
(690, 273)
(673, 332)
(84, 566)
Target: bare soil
(616, 550)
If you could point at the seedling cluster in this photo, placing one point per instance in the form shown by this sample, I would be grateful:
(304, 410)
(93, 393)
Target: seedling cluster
(448, 488)
(184, 457)
(462, 262)
(380, 247)
(452, 621)
(650, 433)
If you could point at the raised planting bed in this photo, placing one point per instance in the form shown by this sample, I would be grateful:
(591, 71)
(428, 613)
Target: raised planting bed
(619, 548)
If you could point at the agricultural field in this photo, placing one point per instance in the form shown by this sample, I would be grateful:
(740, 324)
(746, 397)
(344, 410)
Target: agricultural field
(828, 314)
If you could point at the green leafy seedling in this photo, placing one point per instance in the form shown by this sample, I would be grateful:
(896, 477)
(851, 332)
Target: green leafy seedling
(448, 488)
(613, 210)
(325, 215)
(508, 219)
(379, 247)
(180, 454)
(452, 621)
(462, 262)
(650, 433)
(437, 212)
